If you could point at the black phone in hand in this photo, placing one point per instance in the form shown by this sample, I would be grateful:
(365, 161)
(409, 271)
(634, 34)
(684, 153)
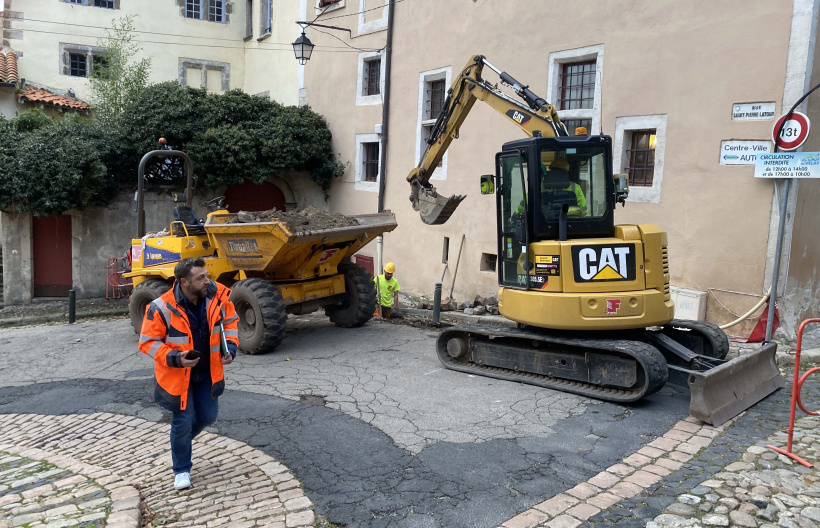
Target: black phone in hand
(192, 354)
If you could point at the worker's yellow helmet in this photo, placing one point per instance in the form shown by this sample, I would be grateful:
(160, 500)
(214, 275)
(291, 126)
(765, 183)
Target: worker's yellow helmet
(390, 268)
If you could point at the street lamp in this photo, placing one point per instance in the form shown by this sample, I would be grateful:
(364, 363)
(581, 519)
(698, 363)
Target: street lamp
(302, 48)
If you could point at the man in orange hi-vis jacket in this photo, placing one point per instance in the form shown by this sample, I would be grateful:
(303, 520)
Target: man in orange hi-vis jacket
(190, 332)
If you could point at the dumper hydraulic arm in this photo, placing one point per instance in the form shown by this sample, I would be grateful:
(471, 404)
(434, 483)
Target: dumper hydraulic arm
(535, 118)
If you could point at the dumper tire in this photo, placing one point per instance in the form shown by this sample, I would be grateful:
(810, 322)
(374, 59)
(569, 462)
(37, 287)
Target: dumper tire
(706, 339)
(359, 300)
(141, 297)
(262, 315)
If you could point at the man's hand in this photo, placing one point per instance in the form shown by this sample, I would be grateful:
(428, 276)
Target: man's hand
(227, 360)
(188, 362)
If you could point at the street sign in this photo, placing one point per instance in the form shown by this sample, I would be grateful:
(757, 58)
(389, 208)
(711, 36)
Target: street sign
(752, 111)
(742, 152)
(794, 133)
(788, 165)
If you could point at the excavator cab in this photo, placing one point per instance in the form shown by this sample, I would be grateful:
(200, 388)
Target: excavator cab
(567, 191)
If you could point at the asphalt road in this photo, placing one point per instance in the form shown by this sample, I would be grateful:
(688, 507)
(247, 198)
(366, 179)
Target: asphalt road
(376, 430)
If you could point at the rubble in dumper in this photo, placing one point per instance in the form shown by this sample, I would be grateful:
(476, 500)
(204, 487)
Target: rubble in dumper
(310, 218)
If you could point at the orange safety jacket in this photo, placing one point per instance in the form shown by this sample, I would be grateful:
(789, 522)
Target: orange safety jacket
(166, 337)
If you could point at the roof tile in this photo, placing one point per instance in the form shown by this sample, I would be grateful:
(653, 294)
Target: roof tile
(38, 95)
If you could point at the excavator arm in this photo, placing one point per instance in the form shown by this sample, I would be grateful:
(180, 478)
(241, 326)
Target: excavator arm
(534, 116)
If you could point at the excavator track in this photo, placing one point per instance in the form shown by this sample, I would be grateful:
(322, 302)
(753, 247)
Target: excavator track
(618, 370)
(700, 337)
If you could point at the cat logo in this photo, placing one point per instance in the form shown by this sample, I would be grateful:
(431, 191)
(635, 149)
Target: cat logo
(519, 117)
(604, 263)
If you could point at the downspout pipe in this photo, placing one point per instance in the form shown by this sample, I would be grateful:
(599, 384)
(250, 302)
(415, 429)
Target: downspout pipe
(388, 51)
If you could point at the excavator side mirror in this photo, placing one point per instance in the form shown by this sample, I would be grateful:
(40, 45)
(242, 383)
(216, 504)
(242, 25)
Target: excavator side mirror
(621, 189)
(487, 184)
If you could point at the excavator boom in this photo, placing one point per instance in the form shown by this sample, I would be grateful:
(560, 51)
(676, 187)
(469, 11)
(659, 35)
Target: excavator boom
(535, 117)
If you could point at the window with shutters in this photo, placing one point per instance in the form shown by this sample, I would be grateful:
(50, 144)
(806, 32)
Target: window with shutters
(265, 14)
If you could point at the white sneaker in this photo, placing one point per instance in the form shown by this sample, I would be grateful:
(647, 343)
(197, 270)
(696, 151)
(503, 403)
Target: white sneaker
(182, 480)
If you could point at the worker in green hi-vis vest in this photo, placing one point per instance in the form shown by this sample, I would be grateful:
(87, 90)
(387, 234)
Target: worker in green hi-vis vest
(387, 288)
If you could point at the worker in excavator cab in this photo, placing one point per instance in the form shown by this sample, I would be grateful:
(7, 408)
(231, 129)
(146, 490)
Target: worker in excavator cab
(562, 165)
(559, 177)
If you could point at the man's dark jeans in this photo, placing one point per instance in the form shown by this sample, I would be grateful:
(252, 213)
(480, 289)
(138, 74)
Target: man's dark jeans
(200, 412)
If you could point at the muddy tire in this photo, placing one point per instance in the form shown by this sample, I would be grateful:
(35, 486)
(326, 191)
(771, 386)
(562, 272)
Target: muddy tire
(706, 339)
(141, 297)
(262, 315)
(359, 300)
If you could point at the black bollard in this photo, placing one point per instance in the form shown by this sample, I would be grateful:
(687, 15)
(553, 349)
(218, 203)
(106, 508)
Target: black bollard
(437, 304)
(72, 301)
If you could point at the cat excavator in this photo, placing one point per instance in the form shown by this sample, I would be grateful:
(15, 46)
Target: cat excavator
(591, 298)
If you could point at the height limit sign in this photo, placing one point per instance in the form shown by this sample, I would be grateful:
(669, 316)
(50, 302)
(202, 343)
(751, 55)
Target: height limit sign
(795, 131)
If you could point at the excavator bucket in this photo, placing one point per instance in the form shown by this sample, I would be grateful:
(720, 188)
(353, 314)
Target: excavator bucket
(433, 208)
(724, 391)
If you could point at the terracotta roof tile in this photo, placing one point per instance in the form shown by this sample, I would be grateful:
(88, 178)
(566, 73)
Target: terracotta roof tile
(38, 95)
(3, 72)
(11, 67)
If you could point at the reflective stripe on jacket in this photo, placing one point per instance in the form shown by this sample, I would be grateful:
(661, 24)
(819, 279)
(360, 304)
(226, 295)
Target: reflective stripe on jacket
(166, 336)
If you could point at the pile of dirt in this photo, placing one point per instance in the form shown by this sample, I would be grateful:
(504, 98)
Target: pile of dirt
(299, 220)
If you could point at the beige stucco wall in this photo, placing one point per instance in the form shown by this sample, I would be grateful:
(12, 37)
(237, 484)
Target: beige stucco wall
(688, 61)
(270, 66)
(165, 36)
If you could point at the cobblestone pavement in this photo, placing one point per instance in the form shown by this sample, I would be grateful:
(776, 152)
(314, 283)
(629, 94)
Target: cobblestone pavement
(106, 469)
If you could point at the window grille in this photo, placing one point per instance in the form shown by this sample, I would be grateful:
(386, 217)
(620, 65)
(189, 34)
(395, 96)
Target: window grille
(372, 76)
(107, 4)
(435, 98)
(572, 124)
(77, 65)
(371, 161)
(642, 158)
(577, 85)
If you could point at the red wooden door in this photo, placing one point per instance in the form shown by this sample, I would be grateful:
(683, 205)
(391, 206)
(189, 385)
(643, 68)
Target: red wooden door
(51, 241)
(249, 196)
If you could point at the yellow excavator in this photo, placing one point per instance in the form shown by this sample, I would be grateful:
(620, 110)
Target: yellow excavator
(591, 298)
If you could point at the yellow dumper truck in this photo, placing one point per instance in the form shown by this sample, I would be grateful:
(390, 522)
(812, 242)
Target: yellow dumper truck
(275, 267)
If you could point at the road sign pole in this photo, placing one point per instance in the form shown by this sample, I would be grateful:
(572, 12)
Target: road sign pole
(784, 203)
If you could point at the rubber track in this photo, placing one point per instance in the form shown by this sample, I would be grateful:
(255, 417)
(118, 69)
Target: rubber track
(710, 332)
(648, 357)
(364, 296)
(274, 316)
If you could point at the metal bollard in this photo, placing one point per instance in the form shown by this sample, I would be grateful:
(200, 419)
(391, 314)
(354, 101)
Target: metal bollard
(72, 302)
(437, 304)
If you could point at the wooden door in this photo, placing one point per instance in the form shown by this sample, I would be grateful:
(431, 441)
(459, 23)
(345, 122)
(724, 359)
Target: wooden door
(51, 241)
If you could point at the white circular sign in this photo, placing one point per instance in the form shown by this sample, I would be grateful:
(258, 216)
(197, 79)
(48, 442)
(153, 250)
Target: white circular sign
(794, 133)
